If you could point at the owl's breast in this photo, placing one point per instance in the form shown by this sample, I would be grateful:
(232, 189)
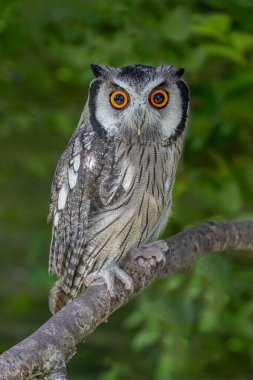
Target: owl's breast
(152, 168)
(148, 173)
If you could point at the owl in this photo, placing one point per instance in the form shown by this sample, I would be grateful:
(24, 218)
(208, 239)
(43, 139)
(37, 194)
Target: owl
(112, 189)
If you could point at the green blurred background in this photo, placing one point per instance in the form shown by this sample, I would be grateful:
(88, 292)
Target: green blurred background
(196, 325)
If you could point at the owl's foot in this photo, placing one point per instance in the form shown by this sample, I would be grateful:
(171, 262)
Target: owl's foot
(153, 252)
(108, 275)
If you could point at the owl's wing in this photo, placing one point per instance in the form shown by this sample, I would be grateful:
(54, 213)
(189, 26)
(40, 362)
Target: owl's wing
(67, 201)
(76, 186)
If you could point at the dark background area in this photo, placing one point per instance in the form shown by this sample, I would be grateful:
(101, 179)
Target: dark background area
(196, 325)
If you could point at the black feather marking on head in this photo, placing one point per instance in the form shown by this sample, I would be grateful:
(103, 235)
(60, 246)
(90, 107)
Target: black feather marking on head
(99, 71)
(137, 72)
(185, 95)
(98, 128)
(179, 72)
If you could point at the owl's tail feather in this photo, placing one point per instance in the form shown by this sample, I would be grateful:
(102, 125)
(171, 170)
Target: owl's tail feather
(58, 298)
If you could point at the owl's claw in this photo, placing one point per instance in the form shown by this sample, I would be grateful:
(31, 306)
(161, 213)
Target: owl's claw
(108, 275)
(154, 252)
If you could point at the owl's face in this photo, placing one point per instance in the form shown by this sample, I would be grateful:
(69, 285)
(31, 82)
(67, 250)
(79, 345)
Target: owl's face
(139, 101)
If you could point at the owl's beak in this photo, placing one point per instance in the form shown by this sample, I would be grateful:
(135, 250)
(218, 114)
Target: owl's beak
(139, 127)
(140, 119)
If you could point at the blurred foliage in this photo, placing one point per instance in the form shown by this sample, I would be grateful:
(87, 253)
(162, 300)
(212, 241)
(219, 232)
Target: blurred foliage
(197, 325)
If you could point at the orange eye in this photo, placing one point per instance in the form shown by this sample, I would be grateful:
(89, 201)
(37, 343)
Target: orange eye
(118, 99)
(159, 98)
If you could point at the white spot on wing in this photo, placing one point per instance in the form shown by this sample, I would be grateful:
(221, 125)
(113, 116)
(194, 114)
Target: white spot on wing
(72, 175)
(62, 197)
(56, 219)
(76, 162)
(128, 179)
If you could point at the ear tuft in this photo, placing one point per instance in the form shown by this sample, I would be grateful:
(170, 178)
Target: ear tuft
(179, 72)
(99, 71)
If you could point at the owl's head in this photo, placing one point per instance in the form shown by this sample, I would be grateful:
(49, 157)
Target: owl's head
(138, 101)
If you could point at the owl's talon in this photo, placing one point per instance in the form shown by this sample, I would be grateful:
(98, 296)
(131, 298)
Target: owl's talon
(154, 252)
(108, 275)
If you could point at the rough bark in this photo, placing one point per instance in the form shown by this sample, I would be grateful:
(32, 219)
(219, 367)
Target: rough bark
(46, 351)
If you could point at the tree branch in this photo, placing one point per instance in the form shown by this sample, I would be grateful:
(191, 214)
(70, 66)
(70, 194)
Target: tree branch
(46, 351)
